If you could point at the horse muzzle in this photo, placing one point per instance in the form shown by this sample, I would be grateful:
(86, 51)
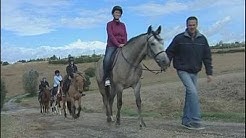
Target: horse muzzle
(80, 90)
(163, 63)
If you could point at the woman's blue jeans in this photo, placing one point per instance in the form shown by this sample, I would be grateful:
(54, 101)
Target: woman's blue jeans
(191, 111)
(107, 61)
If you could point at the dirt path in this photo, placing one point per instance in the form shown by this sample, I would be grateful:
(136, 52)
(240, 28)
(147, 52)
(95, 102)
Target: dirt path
(29, 123)
(95, 125)
(12, 106)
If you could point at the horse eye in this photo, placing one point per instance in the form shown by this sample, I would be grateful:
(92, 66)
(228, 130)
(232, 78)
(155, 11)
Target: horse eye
(152, 44)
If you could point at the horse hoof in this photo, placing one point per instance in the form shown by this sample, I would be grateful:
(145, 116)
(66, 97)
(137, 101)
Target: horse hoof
(142, 125)
(75, 116)
(109, 119)
(117, 123)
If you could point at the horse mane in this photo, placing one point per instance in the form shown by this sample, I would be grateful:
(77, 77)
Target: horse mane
(79, 74)
(134, 38)
(154, 34)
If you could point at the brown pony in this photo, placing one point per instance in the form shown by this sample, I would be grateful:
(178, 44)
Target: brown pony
(74, 94)
(57, 100)
(45, 101)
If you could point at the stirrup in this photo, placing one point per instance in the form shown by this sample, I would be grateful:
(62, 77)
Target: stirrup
(107, 82)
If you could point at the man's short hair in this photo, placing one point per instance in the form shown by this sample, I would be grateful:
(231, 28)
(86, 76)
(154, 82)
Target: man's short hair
(191, 18)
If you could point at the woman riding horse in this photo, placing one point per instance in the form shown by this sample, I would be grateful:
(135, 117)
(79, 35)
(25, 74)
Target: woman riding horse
(127, 70)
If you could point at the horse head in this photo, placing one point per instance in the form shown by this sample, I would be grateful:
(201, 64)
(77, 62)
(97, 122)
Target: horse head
(155, 48)
(78, 82)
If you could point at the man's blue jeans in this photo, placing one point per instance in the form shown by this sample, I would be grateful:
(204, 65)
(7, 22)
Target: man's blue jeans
(107, 61)
(191, 111)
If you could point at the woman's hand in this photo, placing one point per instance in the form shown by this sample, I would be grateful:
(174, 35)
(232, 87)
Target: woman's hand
(121, 45)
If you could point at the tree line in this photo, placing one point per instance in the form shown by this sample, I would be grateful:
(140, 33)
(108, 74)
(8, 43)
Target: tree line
(94, 58)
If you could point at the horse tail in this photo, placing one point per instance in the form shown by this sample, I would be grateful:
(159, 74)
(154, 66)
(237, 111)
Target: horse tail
(69, 107)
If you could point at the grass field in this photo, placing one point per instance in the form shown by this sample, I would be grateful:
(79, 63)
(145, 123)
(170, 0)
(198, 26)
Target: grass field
(12, 74)
(162, 94)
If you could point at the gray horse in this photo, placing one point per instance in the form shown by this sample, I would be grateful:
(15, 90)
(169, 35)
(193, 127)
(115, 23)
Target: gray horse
(127, 71)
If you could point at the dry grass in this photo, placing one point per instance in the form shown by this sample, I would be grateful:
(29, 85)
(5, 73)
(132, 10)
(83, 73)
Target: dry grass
(12, 74)
(162, 94)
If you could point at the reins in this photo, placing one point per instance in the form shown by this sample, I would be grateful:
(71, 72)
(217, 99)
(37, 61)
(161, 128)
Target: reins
(146, 68)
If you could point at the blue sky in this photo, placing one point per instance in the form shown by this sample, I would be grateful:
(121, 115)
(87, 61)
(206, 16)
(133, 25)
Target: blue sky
(41, 28)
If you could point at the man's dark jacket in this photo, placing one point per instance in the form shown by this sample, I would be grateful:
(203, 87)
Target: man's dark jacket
(188, 54)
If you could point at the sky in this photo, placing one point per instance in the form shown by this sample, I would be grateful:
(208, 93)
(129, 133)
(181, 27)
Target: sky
(32, 29)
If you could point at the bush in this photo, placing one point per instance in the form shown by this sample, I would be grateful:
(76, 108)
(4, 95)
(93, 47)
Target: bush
(57, 62)
(30, 82)
(90, 72)
(3, 92)
(87, 83)
(5, 63)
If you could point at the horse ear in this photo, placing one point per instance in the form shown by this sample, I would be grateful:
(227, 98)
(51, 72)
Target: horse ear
(158, 30)
(149, 29)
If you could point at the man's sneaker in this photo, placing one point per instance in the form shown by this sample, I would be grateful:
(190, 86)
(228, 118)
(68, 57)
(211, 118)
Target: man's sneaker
(193, 126)
(82, 94)
(107, 82)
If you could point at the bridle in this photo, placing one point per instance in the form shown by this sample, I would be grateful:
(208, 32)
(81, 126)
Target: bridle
(152, 53)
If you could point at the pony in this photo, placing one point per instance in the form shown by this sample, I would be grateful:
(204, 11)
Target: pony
(127, 70)
(45, 101)
(56, 102)
(74, 94)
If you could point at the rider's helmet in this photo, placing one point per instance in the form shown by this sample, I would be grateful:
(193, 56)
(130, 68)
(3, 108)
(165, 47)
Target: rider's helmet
(57, 71)
(117, 8)
(70, 58)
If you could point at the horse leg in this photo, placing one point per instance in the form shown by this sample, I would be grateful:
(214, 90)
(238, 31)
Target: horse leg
(43, 108)
(73, 108)
(64, 108)
(111, 101)
(51, 105)
(119, 105)
(47, 106)
(40, 107)
(69, 107)
(138, 102)
(59, 107)
(105, 92)
(79, 108)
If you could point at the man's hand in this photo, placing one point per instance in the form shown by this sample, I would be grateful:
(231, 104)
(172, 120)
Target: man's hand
(209, 78)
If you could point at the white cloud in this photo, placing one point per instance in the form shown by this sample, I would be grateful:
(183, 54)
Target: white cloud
(154, 9)
(86, 19)
(77, 48)
(173, 6)
(27, 18)
(218, 26)
(169, 33)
